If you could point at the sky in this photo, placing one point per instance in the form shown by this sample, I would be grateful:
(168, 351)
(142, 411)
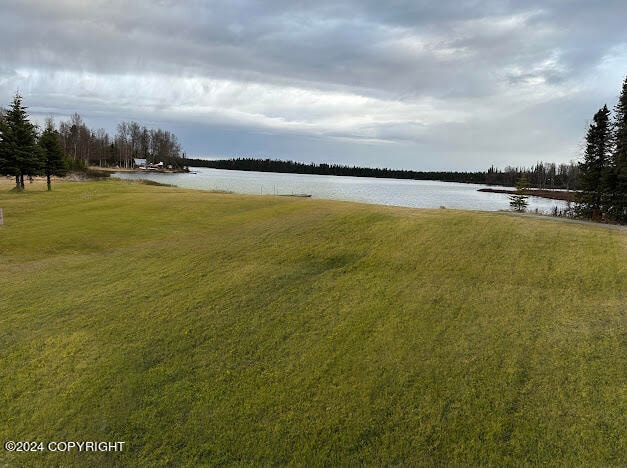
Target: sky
(416, 84)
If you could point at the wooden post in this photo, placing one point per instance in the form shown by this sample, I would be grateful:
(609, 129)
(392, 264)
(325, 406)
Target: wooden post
(1, 218)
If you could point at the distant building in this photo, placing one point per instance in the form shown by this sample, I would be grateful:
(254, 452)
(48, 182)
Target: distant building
(139, 163)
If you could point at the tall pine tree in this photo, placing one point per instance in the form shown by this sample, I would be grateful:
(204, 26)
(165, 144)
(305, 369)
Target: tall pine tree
(19, 153)
(4, 170)
(593, 168)
(52, 153)
(617, 176)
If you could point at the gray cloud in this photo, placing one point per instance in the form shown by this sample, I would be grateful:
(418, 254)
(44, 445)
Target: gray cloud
(435, 78)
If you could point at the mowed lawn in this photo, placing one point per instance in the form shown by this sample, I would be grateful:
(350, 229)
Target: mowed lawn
(205, 328)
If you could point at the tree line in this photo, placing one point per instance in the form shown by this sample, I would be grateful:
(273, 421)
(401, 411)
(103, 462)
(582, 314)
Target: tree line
(25, 151)
(542, 175)
(131, 140)
(603, 171)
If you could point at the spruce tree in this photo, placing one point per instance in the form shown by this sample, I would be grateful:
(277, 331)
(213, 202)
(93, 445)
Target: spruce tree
(8, 164)
(518, 201)
(594, 166)
(19, 153)
(52, 153)
(4, 163)
(617, 177)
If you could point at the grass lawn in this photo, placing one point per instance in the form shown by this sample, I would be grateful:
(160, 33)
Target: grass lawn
(206, 328)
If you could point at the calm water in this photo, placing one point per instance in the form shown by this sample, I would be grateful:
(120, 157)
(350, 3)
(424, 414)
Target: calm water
(411, 193)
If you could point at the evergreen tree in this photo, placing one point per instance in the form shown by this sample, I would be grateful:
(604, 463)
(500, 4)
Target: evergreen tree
(616, 178)
(4, 163)
(594, 166)
(52, 153)
(19, 153)
(518, 201)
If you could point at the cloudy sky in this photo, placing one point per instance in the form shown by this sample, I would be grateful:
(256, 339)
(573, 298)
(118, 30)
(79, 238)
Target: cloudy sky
(411, 84)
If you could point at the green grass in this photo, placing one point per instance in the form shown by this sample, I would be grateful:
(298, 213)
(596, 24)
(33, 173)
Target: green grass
(207, 328)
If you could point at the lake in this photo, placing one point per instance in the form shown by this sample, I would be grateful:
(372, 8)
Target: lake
(396, 192)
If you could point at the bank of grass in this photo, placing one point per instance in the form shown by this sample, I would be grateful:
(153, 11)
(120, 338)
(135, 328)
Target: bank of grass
(205, 328)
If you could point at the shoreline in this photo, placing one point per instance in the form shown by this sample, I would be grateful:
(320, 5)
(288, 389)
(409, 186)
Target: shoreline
(110, 170)
(565, 195)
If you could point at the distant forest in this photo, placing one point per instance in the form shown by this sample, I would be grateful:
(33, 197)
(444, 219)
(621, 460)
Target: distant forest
(542, 175)
(85, 146)
(27, 150)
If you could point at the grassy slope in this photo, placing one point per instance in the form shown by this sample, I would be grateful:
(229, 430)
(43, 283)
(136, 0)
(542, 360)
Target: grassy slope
(211, 328)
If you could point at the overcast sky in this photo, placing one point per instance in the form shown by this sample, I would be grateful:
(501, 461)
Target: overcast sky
(407, 84)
